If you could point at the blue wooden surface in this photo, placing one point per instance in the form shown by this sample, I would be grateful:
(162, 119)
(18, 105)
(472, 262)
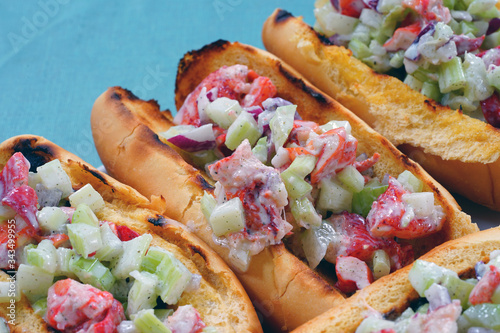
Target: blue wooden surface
(58, 56)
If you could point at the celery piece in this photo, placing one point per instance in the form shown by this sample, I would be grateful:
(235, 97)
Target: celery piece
(89, 196)
(431, 90)
(176, 130)
(413, 83)
(53, 176)
(493, 76)
(451, 76)
(5, 287)
(64, 257)
(484, 315)
(359, 49)
(244, 127)
(33, 281)
(209, 329)
(332, 22)
(421, 202)
(449, 3)
(201, 158)
(315, 241)
(281, 124)
(303, 211)
(120, 290)
(361, 33)
(391, 20)
(458, 289)
(133, 253)
(34, 179)
(468, 28)
(143, 293)
(397, 59)
(260, 149)
(423, 75)
(352, 179)
(43, 256)
(481, 7)
(410, 182)
(334, 197)
(228, 217)
(83, 214)
(173, 278)
(296, 186)
(112, 247)
(376, 324)
(423, 274)
(332, 124)
(303, 165)
(40, 307)
(51, 219)
(491, 41)
(145, 321)
(381, 264)
(93, 272)
(163, 314)
(223, 111)
(84, 238)
(362, 201)
(152, 259)
(207, 204)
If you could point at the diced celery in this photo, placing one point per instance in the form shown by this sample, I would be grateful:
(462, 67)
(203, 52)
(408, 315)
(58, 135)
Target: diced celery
(112, 247)
(244, 127)
(40, 307)
(410, 182)
(120, 290)
(51, 219)
(424, 308)
(143, 293)
(315, 241)
(484, 315)
(351, 179)
(391, 20)
(64, 257)
(458, 289)
(83, 214)
(152, 259)
(173, 278)
(260, 149)
(375, 324)
(296, 186)
(201, 158)
(397, 59)
(303, 211)
(381, 264)
(303, 165)
(468, 28)
(334, 197)
(223, 111)
(359, 49)
(332, 124)
(33, 179)
(4, 291)
(84, 238)
(146, 322)
(228, 217)
(163, 314)
(43, 256)
(362, 201)
(423, 75)
(53, 176)
(332, 22)
(371, 18)
(451, 76)
(361, 33)
(479, 7)
(33, 281)
(423, 274)
(89, 196)
(449, 3)
(176, 130)
(421, 202)
(492, 40)
(93, 272)
(431, 90)
(413, 83)
(133, 253)
(209, 329)
(493, 76)
(281, 124)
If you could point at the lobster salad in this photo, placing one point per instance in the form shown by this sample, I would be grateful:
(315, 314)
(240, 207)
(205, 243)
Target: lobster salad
(448, 303)
(446, 49)
(79, 273)
(279, 178)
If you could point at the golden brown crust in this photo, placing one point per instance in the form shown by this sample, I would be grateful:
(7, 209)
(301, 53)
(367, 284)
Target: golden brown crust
(405, 117)
(221, 299)
(393, 293)
(128, 140)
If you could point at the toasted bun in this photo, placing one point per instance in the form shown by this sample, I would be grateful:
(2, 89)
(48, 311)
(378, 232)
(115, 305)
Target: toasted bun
(220, 300)
(392, 294)
(462, 153)
(125, 132)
